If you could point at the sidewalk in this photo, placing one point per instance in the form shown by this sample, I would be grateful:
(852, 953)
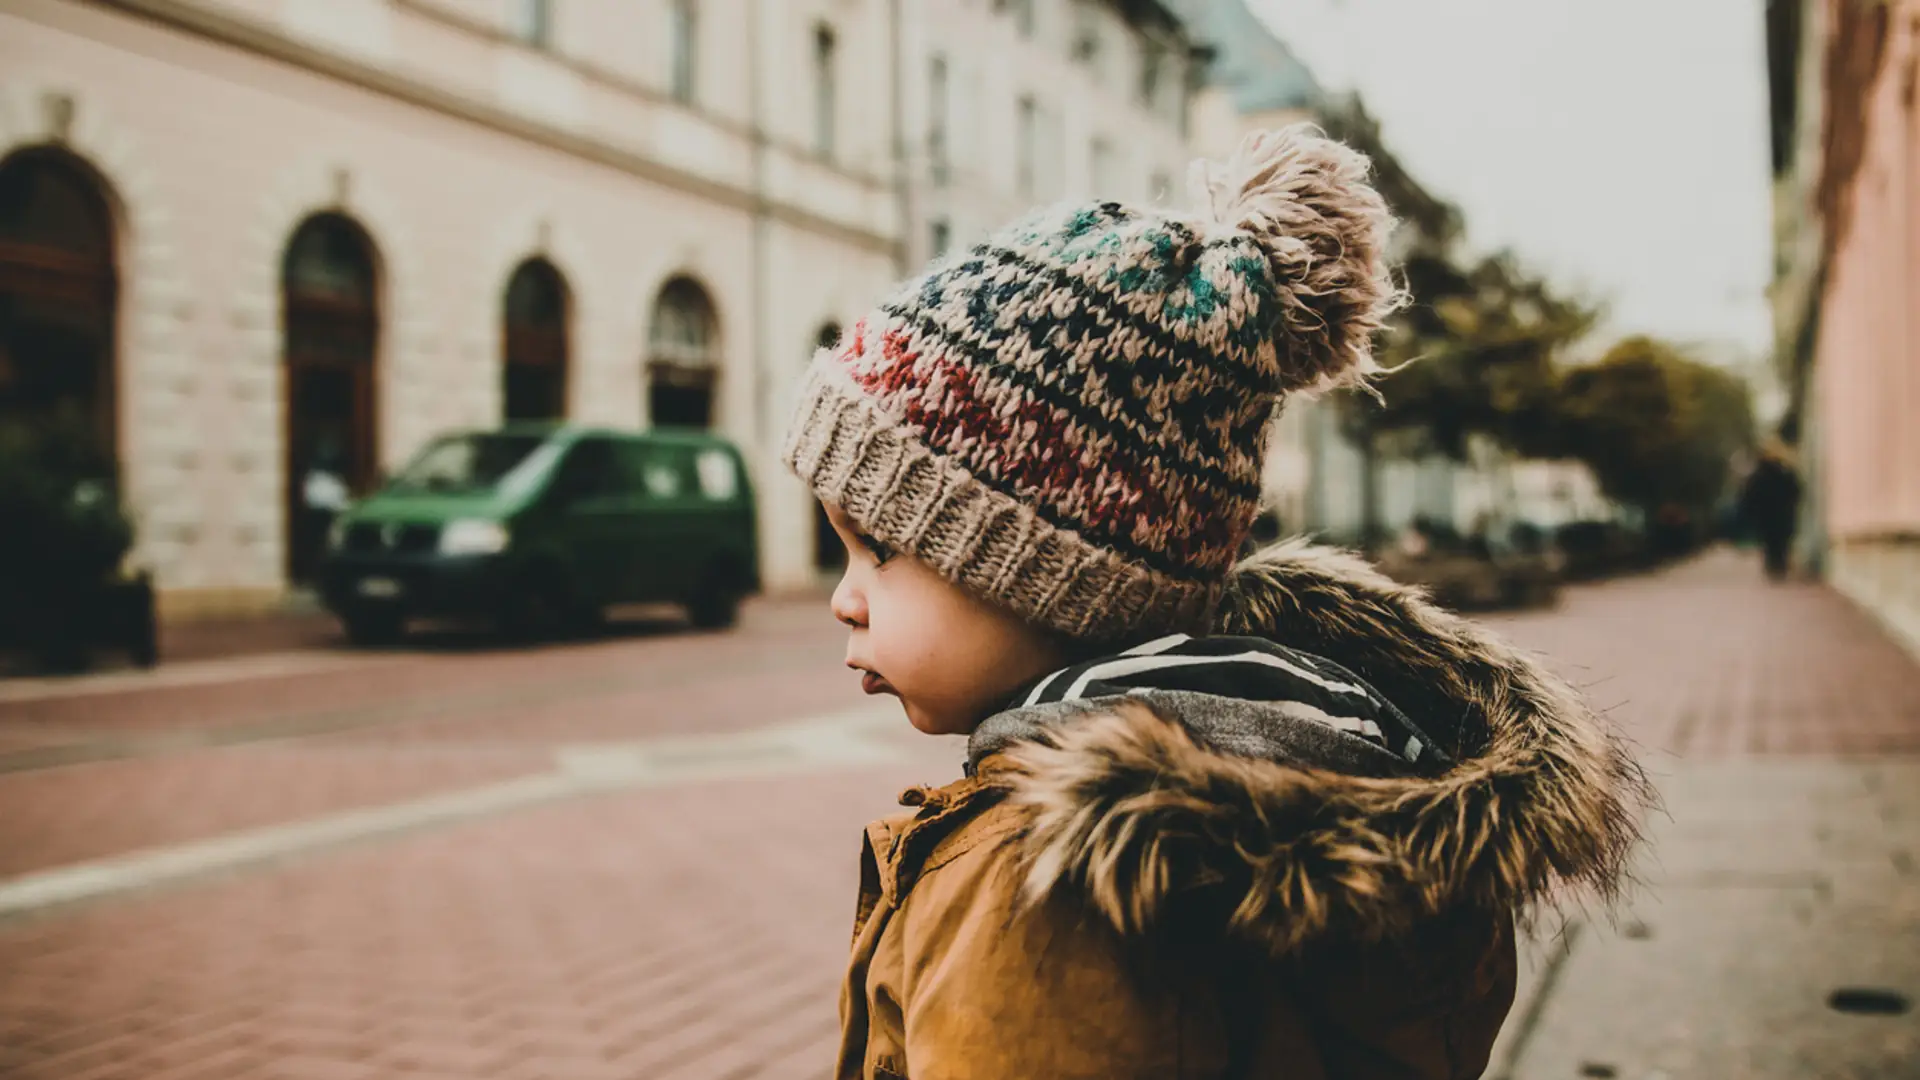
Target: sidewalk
(298, 627)
(1775, 927)
(1773, 886)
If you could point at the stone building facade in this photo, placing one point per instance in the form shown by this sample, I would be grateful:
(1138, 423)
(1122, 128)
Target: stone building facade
(244, 235)
(1017, 103)
(696, 218)
(331, 229)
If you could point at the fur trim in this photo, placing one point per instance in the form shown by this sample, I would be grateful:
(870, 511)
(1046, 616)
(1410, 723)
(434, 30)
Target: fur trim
(1544, 805)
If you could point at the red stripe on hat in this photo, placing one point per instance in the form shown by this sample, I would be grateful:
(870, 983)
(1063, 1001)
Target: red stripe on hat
(1119, 492)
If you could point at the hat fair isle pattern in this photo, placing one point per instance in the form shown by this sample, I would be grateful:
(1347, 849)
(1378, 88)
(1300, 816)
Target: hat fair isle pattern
(1070, 419)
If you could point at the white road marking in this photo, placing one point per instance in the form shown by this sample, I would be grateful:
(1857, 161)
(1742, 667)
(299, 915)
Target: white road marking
(190, 673)
(817, 743)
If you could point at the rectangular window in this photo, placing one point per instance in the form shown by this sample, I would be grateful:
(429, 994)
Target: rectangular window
(1086, 33)
(937, 119)
(1026, 150)
(1153, 59)
(825, 102)
(534, 23)
(1182, 93)
(658, 471)
(1100, 168)
(590, 471)
(939, 238)
(1022, 12)
(684, 41)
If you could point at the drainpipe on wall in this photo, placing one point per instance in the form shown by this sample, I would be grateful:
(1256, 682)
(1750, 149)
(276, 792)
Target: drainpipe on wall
(756, 133)
(760, 331)
(903, 190)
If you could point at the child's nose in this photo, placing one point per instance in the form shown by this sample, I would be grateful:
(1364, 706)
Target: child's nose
(849, 604)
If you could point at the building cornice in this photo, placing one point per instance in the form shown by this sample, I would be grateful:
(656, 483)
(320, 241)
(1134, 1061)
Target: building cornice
(268, 41)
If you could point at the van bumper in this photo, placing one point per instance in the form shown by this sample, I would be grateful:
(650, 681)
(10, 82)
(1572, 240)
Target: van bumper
(417, 586)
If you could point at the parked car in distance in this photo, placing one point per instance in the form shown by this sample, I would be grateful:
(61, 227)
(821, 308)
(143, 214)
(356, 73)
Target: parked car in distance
(542, 527)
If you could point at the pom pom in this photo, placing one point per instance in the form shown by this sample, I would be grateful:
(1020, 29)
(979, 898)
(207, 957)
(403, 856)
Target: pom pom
(1306, 201)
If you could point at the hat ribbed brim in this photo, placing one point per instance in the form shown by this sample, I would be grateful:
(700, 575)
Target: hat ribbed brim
(902, 493)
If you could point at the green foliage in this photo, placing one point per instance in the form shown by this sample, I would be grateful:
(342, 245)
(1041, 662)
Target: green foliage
(1479, 353)
(1656, 427)
(1474, 353)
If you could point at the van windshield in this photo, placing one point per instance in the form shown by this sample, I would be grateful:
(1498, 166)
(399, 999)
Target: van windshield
(471, 463)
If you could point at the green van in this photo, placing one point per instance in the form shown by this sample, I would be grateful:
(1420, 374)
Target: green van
(542, 527)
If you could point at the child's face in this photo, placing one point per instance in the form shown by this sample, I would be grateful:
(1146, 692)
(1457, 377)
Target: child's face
(947, 655)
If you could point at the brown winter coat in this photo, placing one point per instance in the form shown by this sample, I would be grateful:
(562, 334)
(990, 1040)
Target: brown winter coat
(1116, 899)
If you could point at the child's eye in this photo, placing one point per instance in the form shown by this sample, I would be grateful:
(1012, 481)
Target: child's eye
(880, 552)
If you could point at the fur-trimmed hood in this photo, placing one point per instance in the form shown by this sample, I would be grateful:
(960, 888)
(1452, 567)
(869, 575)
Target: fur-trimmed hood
(1155, 807)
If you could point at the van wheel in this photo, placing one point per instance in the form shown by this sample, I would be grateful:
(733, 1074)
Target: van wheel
(715, 604)
(372, 628)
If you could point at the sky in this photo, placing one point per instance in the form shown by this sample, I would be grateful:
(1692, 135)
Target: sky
(1619, 146)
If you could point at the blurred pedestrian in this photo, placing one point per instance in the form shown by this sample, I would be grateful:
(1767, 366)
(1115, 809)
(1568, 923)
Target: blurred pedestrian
(1770, 505)
(1272, 818)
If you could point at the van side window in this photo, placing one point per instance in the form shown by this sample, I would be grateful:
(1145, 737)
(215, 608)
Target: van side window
(660, 477)
(657, 472)
(587, 473)
(719, 478)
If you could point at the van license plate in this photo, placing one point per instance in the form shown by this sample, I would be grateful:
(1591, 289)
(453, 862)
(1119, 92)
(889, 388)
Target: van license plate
(379, 588)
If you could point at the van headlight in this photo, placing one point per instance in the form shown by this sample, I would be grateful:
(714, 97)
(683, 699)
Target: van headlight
(474, 537)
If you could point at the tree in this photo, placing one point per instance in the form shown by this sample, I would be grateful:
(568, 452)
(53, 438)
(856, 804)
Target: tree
(1657, 428)
(1483, 347)
(1474, 352)
(1478, 352)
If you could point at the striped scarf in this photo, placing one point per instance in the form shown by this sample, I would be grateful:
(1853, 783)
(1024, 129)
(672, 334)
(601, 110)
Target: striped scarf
(1244, 695)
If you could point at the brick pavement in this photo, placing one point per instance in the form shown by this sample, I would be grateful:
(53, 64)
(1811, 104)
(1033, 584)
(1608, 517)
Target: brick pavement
(51, 817)
(630, 936)
(1706, 660)
(184, 762)
(301, 627)
(698, 931)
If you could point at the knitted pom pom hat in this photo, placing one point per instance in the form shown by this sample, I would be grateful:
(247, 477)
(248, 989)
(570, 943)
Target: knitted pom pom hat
(1070, 419)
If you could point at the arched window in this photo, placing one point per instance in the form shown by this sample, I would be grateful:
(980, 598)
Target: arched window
(57, 297)
(332, 326)
(535, 341)
(683, 364)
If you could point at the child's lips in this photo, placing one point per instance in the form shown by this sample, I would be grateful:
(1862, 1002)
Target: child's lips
(872, 683)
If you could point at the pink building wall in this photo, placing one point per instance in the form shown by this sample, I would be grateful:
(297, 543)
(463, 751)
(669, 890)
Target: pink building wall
(1867, 366)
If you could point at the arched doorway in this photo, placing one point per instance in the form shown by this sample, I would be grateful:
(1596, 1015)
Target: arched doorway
(535, 343)
(683, 363)
(332, 326)
(57, 299)
(829, 554)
